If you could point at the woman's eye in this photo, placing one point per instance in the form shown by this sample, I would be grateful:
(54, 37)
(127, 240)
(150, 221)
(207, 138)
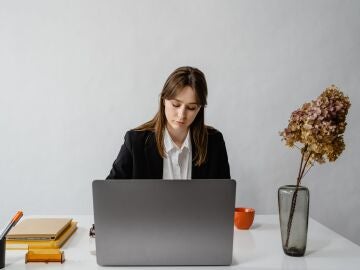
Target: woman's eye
(176, 105)
(191, 108)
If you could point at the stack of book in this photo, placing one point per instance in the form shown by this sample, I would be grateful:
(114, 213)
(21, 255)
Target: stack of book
(40, 233)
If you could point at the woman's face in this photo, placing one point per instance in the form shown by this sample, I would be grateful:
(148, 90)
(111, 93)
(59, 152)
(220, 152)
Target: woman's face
(181, 111)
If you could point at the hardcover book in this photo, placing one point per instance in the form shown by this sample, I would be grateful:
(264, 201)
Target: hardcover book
(40, 244)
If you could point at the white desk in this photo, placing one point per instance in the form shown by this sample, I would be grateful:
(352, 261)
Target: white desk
(258, 248)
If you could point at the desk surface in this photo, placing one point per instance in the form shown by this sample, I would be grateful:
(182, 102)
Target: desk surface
(257, 248)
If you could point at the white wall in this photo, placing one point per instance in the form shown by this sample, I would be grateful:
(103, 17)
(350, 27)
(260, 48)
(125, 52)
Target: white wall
(76, 74)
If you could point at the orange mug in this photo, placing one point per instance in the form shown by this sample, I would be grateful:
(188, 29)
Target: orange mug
(244, 217)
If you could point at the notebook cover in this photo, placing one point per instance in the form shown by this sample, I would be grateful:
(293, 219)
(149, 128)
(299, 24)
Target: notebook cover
(59, 242)
(39, 228)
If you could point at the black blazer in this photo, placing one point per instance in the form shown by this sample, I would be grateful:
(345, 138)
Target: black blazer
(139, 158)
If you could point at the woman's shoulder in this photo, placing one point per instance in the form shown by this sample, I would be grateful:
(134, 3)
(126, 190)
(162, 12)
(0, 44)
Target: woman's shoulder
(138, 138)
(213, 132)
(214, 135)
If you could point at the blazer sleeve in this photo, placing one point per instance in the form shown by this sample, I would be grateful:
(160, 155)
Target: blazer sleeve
(223, 168)
(123, 165)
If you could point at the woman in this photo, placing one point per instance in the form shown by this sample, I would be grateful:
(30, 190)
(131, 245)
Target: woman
(175, 144)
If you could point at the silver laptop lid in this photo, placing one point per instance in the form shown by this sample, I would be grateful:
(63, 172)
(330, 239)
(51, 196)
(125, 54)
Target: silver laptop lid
(164, 222)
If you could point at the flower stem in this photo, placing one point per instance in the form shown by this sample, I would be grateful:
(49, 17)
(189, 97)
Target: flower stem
(293, 201)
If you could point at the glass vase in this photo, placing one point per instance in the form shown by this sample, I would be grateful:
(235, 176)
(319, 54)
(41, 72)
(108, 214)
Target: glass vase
(294, 215)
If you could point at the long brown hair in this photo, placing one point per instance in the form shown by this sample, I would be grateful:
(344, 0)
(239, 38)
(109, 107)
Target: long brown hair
(180, 78)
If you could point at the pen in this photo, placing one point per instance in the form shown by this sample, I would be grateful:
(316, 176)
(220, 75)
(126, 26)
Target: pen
(12, 223)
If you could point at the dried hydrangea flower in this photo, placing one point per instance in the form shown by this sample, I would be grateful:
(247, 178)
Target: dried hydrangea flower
(319, 126)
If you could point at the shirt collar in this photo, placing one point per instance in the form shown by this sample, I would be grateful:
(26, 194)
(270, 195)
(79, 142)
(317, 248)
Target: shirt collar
(170, 145)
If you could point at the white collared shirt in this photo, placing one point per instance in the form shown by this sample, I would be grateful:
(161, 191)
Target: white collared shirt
(178, 161)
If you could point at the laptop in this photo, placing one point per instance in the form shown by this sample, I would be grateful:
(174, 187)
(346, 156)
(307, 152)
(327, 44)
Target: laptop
(164, 222)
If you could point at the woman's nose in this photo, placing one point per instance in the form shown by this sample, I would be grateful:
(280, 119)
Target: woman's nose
(182, 112)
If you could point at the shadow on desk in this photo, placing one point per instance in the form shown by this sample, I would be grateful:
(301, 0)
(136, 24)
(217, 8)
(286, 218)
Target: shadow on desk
(264, 227)
(324, 248)
(316, 247)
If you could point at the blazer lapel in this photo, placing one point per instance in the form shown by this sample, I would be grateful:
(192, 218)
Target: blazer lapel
(195, 174)
(154, 160)
(196, 171)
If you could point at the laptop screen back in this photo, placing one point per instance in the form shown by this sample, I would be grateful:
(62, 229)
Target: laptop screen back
(164, 222)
